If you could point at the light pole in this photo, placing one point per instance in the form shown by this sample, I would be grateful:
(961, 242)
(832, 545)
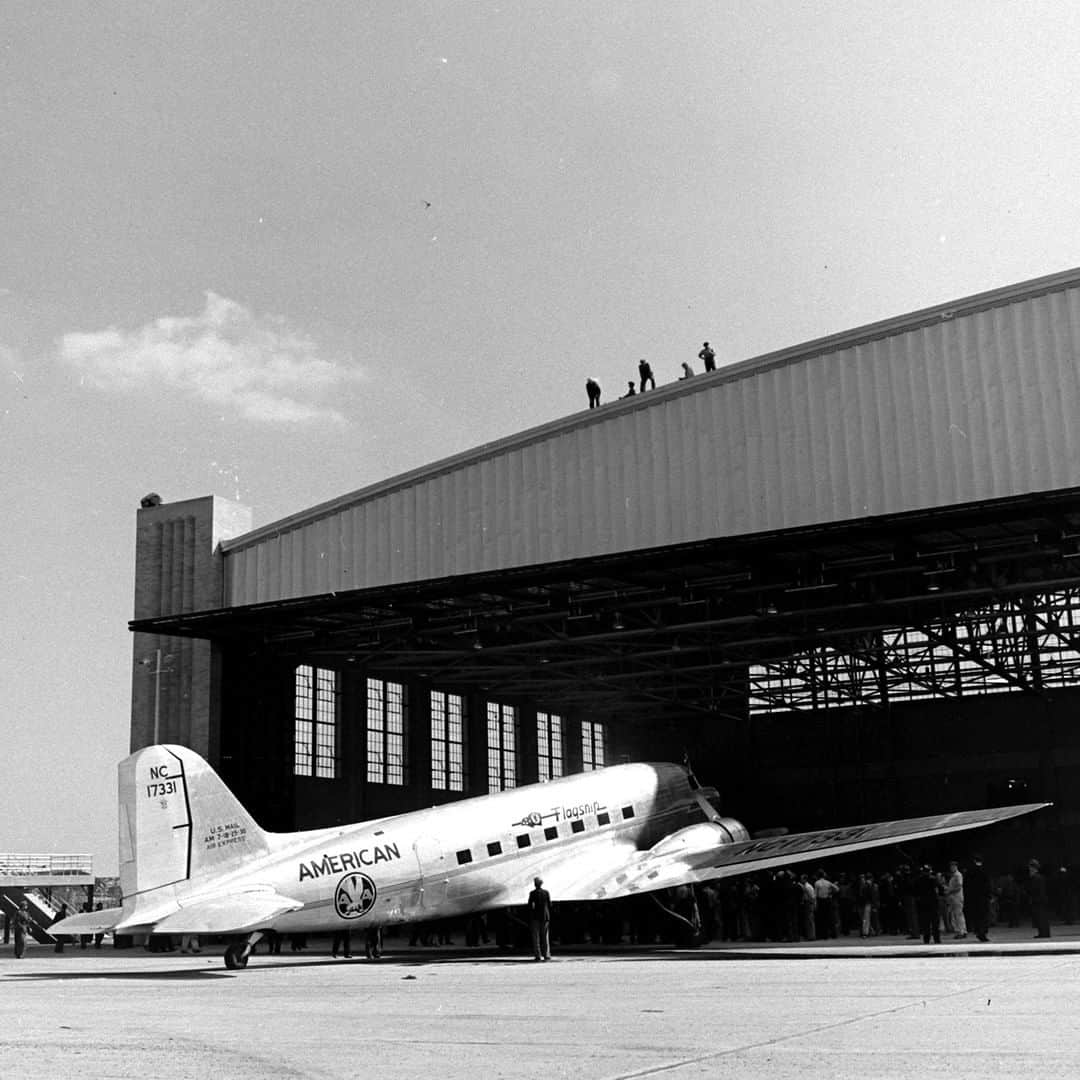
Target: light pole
(158, 669)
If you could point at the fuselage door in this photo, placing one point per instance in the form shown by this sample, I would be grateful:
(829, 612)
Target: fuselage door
(431, 863)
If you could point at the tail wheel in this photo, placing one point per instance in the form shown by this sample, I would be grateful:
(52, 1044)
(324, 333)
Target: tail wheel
(236, 957)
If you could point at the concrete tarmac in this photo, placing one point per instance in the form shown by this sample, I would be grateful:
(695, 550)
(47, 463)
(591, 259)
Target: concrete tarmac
(864, 1010)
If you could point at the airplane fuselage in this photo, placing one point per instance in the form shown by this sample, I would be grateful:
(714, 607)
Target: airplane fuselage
(472, 855)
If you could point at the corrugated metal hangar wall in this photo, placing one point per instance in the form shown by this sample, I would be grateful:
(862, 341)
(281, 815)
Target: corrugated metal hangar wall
(966, 402)
(961, 404)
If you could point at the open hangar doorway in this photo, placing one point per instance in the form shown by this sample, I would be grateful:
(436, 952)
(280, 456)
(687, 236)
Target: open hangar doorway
(873, 669)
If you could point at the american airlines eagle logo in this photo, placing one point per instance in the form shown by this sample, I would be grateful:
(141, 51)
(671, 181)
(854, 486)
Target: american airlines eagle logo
(354, 896)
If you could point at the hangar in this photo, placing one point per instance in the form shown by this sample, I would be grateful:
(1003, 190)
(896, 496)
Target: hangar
(844, 578)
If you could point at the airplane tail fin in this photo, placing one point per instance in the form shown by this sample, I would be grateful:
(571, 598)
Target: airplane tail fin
(178, 823)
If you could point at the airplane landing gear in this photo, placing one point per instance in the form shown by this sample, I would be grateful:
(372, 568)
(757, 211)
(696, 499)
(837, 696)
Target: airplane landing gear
(688, 934)
(236, 956)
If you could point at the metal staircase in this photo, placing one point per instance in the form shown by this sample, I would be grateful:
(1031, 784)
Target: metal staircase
(32, 877)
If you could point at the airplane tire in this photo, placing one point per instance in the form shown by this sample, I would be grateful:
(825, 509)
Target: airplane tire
(235, 958)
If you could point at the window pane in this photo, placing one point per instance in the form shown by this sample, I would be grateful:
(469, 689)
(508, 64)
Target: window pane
(315, 722)
(592, 745)
(502, 723)
(549, 745)
(385, 732)
(302, 748)
(447, 735)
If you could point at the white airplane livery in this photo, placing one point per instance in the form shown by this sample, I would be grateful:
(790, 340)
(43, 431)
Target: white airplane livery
(193, 861)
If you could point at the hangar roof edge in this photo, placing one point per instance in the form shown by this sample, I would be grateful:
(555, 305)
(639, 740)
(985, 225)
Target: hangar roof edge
(732, 372)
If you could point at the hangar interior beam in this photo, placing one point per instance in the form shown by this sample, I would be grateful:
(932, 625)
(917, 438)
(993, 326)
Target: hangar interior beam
(974, 599)
(1028, 643)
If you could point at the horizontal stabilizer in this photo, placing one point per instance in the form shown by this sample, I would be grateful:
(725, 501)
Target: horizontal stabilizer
(227, 913)
(88, 922)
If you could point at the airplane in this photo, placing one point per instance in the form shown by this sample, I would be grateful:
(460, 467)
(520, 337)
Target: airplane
(193, 860)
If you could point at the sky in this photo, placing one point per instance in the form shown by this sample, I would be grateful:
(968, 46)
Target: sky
(277, 252)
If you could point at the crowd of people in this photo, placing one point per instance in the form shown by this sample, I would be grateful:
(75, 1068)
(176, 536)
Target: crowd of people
(646, 380)
(913, 902)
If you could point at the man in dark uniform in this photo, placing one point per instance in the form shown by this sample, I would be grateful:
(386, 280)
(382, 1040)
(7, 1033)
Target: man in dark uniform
(592, 388)
(1040, 913)
(21, 924)
(342, 940)
(61, 939)
(540, 920)
(373, 943)
(708, 356)
(926, 902)
(977, 893)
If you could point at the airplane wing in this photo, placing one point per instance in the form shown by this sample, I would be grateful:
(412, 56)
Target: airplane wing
(88, 922)
(227, 913)
(698, 853)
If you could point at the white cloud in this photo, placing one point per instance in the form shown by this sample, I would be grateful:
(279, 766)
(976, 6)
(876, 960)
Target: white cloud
(225, 356)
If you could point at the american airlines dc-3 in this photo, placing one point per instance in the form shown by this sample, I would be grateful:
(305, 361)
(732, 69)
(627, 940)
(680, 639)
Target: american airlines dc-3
(193, 861)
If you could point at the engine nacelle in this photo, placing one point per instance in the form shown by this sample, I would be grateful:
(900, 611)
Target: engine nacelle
(704, 836)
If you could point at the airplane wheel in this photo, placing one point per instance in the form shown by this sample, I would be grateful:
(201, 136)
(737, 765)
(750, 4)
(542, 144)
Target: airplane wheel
(235, 958)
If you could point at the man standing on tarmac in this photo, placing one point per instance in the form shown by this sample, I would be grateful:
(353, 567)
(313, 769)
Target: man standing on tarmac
(1040, 914)
(540, 920)
(825, 898)
(926, 898)
(977, 898)
(21, 925)
(60, 938)
(954, 901)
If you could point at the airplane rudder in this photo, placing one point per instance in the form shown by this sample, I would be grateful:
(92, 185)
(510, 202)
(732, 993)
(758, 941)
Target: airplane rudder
(154, 820)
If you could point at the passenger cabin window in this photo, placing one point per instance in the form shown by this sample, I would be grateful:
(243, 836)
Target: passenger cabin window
(551, 832)
(524, 840)
(577, 826)
(495, 848)
(502, 745)
(447, 741)
(603, 818)
(464, 857)
(385, 732)
(592, 745)
(315, 723)
(627, 813)
(549, 745)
